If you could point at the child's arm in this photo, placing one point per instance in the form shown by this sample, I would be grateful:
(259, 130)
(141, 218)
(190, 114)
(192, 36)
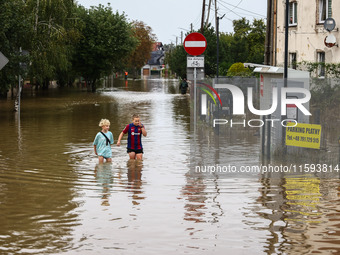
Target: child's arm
(120, 138)
(144, 131)
(95, 149)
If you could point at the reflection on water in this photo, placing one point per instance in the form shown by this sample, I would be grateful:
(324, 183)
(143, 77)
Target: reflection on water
(56, 198)
(135, 179)
(104, 177)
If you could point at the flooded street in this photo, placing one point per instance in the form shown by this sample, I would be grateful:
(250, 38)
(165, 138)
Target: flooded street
(56, 199)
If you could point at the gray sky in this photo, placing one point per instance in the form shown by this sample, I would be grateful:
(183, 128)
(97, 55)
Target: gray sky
(168, 18)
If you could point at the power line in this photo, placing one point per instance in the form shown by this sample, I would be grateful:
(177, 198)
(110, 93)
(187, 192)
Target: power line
(230, 10)
(236, 7)
(244, 14)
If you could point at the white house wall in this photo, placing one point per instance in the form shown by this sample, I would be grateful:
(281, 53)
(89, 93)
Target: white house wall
(307, 37)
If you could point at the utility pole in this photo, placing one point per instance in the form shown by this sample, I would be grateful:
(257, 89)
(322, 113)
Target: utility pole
(217, 51)
(216, 13)
(203, 15)
(218, 38)
(207, 20)
(18, 99)
(268, 41)
(285, 72)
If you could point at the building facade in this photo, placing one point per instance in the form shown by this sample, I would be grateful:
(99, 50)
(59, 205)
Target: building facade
(307, 34)
(155, 64)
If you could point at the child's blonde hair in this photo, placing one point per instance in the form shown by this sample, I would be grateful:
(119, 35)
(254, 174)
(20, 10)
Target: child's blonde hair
(104, 122)
(135, 116)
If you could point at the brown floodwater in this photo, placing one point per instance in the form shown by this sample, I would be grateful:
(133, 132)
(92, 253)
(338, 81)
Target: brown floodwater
(56, 199)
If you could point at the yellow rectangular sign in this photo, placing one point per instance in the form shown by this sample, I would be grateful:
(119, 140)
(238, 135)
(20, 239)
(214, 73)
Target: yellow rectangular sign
(303, 135)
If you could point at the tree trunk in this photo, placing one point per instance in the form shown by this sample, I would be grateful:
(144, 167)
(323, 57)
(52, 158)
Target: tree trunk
(36, 17)
(45, 84)
(135, 73)
(94, 86)
(12, 92)
(88, 85)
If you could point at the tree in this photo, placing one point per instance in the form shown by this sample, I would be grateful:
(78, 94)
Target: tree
(14, 31)
(256, 39)
(240, 46)
(142, 52)
(210, 60)
(246, 44)
(227, 57)
(51, 38)
(238, 69)
(177, 60)
(107, 38)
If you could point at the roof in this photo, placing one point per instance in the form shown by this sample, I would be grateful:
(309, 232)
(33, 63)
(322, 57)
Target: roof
(292, 73)
(156, 57)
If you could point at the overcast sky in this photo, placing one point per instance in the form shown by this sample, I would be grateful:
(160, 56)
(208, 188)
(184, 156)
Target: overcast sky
(168, 18)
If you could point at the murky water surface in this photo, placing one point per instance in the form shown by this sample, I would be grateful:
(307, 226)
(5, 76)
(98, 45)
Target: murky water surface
(55, 198)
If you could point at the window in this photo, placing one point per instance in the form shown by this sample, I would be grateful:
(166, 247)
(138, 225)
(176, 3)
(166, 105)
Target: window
(292, 60)
(325, 10)
(293, 14)
(321, 61)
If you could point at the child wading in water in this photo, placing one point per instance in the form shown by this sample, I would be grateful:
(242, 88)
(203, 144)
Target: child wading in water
(102, 142)
(135, 130)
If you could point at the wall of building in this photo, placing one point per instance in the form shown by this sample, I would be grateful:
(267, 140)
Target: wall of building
(307, 37)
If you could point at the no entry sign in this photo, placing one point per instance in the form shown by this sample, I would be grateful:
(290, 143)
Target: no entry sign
(195, 44)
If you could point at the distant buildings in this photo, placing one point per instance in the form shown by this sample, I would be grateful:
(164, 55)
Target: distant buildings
(155, 64)
(306, 32)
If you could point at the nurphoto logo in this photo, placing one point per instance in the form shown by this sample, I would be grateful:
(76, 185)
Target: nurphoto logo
(239, 104)
(204, 97)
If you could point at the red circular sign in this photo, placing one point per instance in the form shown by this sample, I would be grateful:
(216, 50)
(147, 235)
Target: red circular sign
(195, 44)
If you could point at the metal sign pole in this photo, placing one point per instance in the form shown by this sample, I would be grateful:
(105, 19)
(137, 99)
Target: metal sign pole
(19, 89)
(19, 97)
(195, 101)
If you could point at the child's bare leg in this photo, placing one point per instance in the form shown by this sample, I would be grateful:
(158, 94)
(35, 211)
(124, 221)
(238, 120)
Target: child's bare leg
(139, 156)
(132, 155)
(101, 159)
(109, 160)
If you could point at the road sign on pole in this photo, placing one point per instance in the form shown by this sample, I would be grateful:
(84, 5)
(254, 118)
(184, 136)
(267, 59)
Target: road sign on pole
(3, 60)
(195, 44)
(195, 61)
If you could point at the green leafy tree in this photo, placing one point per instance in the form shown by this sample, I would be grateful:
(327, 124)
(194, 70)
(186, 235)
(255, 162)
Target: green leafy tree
(226, 58)
(210, 60)
(51, 38)
(238, 69)
(107, 39)
(14, 31)
(240, 46)
(256, 39)
(246, 44)
(177, 60)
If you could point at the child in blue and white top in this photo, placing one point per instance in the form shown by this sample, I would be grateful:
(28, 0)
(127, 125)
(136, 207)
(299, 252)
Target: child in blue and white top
(102, 142)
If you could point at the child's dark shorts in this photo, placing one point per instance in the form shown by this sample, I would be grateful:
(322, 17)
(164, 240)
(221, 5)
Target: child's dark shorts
(135, 151)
